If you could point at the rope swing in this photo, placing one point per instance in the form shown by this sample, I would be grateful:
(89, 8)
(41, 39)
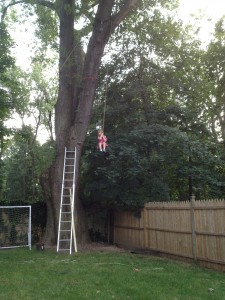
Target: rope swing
(105, 100)
(102, 139)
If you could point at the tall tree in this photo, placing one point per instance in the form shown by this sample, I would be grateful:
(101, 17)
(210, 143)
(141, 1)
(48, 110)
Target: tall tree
(6, 101)
(78, 73)
(21, 168)
(158, 131)
(214, 64)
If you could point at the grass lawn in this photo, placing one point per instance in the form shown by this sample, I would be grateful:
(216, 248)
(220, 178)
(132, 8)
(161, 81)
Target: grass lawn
(101, 275)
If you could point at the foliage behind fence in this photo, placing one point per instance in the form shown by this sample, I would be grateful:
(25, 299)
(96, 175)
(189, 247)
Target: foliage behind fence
(191, 230)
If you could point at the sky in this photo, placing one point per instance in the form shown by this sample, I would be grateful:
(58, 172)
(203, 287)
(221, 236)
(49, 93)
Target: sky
(212, 9)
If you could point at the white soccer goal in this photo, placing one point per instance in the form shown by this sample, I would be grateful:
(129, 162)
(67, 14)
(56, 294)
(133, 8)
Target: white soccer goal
(15, 226)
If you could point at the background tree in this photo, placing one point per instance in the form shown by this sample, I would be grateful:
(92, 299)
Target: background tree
(160, 144)
(6, 100)
(22, 178)
(214, 64)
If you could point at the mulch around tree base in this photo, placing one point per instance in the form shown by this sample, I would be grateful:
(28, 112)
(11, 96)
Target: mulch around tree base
(99, 247)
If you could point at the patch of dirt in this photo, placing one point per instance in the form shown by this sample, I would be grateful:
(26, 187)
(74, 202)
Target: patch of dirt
(99, 247)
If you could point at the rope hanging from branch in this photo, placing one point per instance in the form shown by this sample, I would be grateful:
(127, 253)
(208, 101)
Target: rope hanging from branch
(105, 100)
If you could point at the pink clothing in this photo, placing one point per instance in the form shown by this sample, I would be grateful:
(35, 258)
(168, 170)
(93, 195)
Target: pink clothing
(102, 139)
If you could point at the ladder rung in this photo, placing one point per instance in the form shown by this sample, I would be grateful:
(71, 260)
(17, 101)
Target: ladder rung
(65, 221)
(69, 165)
(64, 230)
(64, 240)
(66, 204)
(66, 212)
(68, 172)
(63, 249)
(69, 151)
(68, 179)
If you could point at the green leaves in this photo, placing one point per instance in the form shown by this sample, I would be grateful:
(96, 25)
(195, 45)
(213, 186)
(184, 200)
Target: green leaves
(160, 143)
(6, 63)
(24, 162)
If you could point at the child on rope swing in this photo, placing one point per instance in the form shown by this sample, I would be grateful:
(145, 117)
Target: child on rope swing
(102, 139)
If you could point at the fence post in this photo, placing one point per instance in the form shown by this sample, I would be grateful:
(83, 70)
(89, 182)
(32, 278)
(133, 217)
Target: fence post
(192, 202)
(145, 217)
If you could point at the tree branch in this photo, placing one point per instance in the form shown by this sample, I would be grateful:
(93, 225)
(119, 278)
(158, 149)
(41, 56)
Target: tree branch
(4, 11)
(125, 10)
(45, 3)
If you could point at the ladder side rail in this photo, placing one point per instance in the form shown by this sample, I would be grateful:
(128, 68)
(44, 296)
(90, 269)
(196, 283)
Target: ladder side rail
(60, 211)
(74, 195)
(73, 228)
(71, 225)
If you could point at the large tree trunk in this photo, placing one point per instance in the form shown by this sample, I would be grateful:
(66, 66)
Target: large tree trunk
(75, 100)
(63, 116)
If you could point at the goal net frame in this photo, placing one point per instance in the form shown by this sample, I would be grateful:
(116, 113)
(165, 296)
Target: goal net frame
(27, 225)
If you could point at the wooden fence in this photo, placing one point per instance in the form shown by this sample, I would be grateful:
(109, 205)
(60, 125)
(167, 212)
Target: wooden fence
(190, 230)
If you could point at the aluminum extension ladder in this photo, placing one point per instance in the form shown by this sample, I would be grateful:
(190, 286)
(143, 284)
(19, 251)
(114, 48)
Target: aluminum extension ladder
(66, 229)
